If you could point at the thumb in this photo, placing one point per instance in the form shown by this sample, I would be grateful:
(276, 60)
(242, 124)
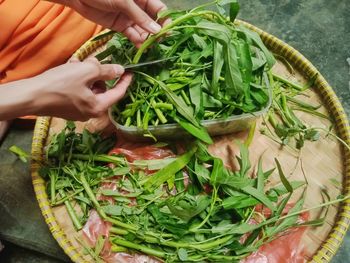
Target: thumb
(109, 71)
(98, 71)
(111, 96)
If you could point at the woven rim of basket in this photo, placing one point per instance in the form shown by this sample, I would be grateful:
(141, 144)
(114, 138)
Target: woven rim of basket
(333, 241)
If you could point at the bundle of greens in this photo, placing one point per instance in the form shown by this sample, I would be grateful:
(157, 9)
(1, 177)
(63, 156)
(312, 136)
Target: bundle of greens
(190, 208)
(284, 124)
(219, 70)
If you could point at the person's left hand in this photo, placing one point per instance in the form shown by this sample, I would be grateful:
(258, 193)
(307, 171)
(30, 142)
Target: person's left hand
(134, 18)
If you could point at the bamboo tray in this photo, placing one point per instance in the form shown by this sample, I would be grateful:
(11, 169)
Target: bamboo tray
(321, 161)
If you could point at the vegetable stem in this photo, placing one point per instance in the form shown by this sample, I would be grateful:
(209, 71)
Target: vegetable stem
(100, 158)
(141, 248)
(92, 196)
(168, 27)
(121, 224)
(71, 212)
(213, 201)
(288, 82)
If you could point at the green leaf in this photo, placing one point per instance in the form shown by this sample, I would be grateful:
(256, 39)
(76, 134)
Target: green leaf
(289, 221)
(197, 131)
(83, 199)
(260, 177)
(167, 222)
(234, 8)
(182, 108)
(210, 102)
(243, 160)
(70, 125)
(281, 189)
(179, 181)
(187, 206)
(117, 210)
(245, 64)
(219, 31)
(99, 244)
(199, 41)
(282, 205)
(217, 172)
(182, 254)
(239, 202)
(153, 165)
(255, 38)
(283, 178)
(233, 75)
(312, 135)
(336, 183)
(218, 64)
(160, 177)
(259, 196)
(203, 174)
(121, 171)
(196, 95)
(227, 179)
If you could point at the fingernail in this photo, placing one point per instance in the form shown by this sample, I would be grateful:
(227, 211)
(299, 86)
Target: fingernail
(118, 69)
(154, 27)
(144, 36)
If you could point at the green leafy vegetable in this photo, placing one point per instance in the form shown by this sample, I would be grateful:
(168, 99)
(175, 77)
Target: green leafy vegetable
(211, 78)
(159, 214)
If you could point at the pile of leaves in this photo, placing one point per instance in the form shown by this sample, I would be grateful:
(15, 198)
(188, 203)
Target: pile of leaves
(184, 208)
(219, 70)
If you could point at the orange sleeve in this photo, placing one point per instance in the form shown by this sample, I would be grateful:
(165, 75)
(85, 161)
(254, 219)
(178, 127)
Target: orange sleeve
(37, 35)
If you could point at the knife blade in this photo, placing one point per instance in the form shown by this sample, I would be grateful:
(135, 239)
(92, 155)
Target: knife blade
(132, 66)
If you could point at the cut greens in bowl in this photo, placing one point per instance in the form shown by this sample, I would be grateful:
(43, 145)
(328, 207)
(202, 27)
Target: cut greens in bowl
(219, 75)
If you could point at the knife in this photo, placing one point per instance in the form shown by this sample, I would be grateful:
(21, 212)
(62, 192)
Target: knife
(132, 66)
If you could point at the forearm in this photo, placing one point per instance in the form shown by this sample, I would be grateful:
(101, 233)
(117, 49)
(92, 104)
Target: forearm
(18, 98)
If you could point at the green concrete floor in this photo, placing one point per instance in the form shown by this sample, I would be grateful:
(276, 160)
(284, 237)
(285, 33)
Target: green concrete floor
(319, 29)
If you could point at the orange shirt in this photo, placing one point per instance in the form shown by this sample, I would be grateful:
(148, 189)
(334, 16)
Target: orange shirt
(37, 35)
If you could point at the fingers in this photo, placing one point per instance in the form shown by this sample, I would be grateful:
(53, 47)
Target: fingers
(107, 99)
(166, 22)
(140, 17)
(133, 35)
(144, 34)
(136, 34)
(151, 7)
(89, 8)
(97, 71)
(110, 71)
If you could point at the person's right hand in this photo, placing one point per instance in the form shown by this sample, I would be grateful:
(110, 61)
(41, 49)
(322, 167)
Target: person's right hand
(67, 91)
(136, 19)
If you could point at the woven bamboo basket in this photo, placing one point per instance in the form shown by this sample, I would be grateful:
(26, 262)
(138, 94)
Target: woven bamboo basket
(322, 161)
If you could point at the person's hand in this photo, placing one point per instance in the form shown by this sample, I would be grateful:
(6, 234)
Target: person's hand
(134, 18)
(73, 91)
